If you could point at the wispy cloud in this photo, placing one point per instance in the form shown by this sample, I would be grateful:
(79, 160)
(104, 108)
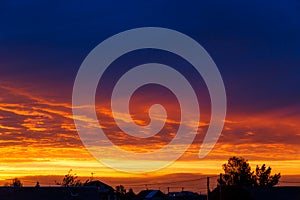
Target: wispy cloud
(37, 134)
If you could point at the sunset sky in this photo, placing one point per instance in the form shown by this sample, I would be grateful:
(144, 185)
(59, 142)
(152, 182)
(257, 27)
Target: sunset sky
(256, 46)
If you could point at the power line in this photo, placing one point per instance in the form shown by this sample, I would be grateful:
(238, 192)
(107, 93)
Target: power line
(171, 182)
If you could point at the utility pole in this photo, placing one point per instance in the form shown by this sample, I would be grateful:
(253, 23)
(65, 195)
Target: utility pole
(207, 185)
(168, 190)
(220, 195)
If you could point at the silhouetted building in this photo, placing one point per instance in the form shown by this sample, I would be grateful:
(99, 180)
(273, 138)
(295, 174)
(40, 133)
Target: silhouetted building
(244, 193)
(48, 193)
(105, 192)
(186, 195)
(150, 195)
(94, 190)
(275, 193)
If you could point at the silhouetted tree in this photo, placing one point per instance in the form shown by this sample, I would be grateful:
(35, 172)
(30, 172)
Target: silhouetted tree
(130, 194)
(16, 183)
(70, 180)
(37, 185)
(263, 177)
(121, 191)
(237, 172)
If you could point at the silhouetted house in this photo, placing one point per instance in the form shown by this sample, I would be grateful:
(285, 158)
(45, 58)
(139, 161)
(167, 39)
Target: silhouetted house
(48, 193)
(103, 187)
(105, 192)
(150, 195)
(186, 195)
(94, 190)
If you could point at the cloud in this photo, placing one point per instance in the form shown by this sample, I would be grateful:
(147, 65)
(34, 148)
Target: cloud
(44, 132)
(38, 122)
(33, 121)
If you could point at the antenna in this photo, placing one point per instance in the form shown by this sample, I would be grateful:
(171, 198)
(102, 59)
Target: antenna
(92, 176)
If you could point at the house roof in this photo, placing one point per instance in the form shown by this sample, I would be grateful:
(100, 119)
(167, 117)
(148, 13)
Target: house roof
(99, 184)
(152, 194)
(101, 187)
(148, 194)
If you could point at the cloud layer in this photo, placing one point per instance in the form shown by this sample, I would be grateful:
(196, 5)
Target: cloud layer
(39, 135)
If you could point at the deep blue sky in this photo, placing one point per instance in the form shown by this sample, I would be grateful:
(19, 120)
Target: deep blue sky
(255, 44)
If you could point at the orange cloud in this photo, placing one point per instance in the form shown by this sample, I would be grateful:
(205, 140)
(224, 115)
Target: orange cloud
(38, 136)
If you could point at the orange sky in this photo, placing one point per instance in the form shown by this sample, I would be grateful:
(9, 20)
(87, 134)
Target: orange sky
(38, 137)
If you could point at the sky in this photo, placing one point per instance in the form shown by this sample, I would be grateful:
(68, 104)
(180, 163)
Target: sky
(255, 45)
